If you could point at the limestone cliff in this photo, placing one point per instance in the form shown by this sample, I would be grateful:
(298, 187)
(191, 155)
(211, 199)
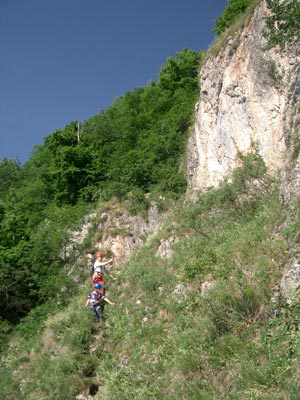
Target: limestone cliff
(247, 100)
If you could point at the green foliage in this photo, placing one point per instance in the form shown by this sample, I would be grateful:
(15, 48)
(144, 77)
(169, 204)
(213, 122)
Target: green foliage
(199, 325)
(283, 25)
(33, 256)
(253, 167)
(232, 11)
(133, 147)
(180, 71)
(196, 326)
(274, 74)
(51, 352)
(5, 329)
(136, 143)
(9, 174)
(69, 169)
(149, 130)
(232, 305)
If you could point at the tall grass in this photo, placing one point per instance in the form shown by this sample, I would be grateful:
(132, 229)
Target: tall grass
(233, 31)
(198, 326)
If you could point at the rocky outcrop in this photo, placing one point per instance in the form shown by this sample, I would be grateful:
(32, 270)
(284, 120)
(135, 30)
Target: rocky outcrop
(246, 94)
(290, 177)
(165, 247)
(116, 232)
(290, 281)
(121, 233)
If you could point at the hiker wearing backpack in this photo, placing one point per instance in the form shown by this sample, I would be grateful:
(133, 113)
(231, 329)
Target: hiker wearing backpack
(96, 301)
(98, 277)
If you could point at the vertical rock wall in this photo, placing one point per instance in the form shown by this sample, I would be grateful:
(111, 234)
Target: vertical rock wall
(243, 104)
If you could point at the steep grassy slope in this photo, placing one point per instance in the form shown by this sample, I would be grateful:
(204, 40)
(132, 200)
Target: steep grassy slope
(205, 324)
(200, 326)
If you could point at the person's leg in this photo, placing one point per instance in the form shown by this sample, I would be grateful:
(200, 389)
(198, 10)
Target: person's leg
(102, 308)
(98, 312)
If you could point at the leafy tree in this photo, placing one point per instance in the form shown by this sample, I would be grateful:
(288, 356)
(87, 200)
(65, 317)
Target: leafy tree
(232, 11)
(145, 128)
(69, 170)
(9, 174)
(135, 146)
(180, 71)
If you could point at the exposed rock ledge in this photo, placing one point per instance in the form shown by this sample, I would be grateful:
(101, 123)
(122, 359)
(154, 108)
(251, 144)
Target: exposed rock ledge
(241, 106)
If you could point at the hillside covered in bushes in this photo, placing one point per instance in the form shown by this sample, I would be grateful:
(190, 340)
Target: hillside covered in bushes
(204, 320)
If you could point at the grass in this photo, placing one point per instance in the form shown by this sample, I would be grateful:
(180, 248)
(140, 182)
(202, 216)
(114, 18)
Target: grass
(166, 336)
(233, 31)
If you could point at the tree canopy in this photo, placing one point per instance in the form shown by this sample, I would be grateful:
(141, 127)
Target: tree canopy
(232, 11)
(134, 146)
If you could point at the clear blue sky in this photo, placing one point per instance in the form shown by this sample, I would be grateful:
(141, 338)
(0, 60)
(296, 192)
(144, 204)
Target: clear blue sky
(65, 60)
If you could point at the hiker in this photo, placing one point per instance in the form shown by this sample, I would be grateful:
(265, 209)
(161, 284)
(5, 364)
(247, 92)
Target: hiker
(96, 301)
(98, 277)
(100, 266)
(99, 260)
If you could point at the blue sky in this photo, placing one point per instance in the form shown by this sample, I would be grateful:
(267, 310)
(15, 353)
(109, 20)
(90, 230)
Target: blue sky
(65, 60)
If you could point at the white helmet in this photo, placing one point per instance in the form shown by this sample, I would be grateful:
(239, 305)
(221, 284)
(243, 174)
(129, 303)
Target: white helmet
(98, 270)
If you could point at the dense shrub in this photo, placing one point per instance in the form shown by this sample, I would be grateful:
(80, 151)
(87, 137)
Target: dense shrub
(283, 25)
(232, 11)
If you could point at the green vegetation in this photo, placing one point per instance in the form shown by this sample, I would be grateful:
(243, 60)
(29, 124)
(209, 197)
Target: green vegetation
(135, 144)
(230, 23)
(275, 75)
(200, 326)
(133, 148)
(233, 10)
(283, 25)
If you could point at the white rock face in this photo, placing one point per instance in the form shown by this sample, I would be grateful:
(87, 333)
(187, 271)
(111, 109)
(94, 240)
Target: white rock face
(240, 108)
(290, 282)
(165, 248)
(124, 233)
